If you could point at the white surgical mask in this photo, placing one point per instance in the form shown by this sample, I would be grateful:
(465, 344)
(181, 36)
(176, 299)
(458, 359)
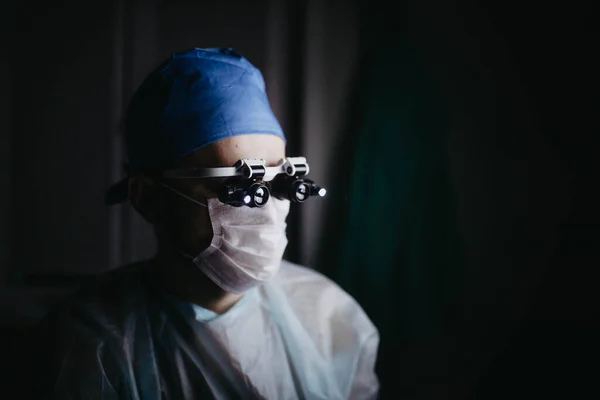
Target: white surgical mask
(247, 244)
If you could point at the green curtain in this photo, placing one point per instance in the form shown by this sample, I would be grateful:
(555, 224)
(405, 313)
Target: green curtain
(392, 238)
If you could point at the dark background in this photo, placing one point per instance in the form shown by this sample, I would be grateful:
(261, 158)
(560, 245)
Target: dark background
(519, 80)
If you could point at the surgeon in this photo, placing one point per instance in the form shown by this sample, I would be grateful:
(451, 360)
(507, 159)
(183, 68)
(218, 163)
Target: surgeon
(217, 313)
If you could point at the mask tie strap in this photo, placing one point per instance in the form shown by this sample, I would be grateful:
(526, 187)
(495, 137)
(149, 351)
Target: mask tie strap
(183, 195)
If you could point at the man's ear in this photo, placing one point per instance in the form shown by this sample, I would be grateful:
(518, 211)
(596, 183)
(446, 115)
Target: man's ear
(145, 197)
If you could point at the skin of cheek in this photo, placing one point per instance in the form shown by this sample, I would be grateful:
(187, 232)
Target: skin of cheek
(187, 224)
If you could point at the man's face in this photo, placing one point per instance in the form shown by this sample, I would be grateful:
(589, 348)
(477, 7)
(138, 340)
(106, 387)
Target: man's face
(187, 225)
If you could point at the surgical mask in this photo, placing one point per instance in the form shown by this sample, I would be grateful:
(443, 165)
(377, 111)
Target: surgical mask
(247, 244)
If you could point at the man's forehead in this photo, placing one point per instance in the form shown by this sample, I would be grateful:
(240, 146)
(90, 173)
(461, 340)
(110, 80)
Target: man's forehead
(225, 152)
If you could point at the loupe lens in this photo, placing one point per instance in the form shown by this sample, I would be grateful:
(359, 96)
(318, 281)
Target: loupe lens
(259, 195)
(299, 192)
(233, 196)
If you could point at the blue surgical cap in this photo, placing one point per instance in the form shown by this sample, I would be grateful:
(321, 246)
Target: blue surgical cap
(195, 98)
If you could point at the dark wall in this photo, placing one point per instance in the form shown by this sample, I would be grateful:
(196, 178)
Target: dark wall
(520, 79)
(61, 78)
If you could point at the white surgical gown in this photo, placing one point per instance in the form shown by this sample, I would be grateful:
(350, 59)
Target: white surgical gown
(298, 336)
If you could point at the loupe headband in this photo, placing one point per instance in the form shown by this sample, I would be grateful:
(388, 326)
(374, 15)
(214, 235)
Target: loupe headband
(252, 168)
